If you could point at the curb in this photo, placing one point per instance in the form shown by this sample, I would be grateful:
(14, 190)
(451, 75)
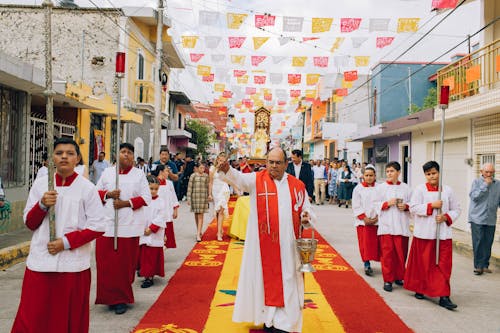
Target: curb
(466, 249)
(12, 255)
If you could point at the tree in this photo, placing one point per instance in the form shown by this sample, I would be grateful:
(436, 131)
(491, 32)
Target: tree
(430, 101)
(204, 136)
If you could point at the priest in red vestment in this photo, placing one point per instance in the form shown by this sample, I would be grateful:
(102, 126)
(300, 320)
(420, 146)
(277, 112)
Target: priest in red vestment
(270, 287)
(56, 285)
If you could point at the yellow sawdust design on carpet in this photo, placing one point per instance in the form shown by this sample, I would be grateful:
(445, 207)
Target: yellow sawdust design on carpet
(318, 315)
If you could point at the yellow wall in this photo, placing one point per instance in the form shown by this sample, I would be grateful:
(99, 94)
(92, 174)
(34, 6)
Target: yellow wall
(132, 60)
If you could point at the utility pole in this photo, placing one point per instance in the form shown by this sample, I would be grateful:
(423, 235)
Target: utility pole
(49, 109)
(159, 49)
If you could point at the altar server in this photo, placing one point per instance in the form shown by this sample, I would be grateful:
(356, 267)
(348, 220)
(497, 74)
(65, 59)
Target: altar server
(423, 276)
(56, 285)
(116, 267)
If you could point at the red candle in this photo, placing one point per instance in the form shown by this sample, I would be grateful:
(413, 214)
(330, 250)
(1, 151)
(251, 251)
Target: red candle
(445, 95)
(120, 62)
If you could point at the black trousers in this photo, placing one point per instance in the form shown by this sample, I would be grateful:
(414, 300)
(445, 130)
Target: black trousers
(482, 240)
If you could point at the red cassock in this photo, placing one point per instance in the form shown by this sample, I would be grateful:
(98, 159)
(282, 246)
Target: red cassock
(54, 302)
(151, 261)
(393, 253)
(116, 270)
(368, 242)
(422, 275)
(170, 236)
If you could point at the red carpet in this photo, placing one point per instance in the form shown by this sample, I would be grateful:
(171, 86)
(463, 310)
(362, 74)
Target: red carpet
(184, 304)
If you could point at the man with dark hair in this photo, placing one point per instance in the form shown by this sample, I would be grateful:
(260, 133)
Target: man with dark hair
(56, 285)
(98, 167)
(116, 267)
(302, 171)
(270, 287)
(165, 160)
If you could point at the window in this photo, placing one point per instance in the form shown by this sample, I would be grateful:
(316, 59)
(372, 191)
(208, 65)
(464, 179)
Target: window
(12, 141)
(140, 66)
(490, 158)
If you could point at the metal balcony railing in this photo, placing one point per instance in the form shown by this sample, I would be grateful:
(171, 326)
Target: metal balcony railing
(476, 72)
(144, 92)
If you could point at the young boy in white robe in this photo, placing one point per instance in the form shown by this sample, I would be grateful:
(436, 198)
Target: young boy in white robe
(365, 214)
(429, 212)
(393, 225)
(151, 258)
(167, 192)
(56, 285)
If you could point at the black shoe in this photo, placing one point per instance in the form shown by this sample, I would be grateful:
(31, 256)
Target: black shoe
(369, 271)
(120, 308)
(419, 296)
(147, 283)
(478, 271)
(268, 329)
(387, 286)
(399, 282)
(346, 206)
(340, 205)
(446, 302)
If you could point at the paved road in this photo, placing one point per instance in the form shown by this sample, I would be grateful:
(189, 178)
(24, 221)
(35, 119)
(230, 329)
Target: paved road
(477, 296)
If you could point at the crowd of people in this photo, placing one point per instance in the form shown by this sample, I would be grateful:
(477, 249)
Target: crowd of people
(132, 223)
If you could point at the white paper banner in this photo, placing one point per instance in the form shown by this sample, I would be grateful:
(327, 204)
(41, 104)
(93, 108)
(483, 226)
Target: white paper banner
(284, 40)
(341, 61)
(209, 17)
(379, 24)
(276, 78)
(358, 41)
(278, 59)
(218, 57)
(292, 24)
(212, 42)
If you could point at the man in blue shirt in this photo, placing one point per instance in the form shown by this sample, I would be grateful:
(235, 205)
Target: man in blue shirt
(165, 160)
(484, 202)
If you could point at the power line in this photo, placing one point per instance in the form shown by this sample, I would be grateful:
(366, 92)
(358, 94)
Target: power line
(421, 68)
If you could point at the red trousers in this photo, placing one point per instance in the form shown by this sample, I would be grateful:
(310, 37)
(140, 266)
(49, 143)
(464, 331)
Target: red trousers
(151, 261)
(422, 275)
(368, 242)
(54, 302)
(393, 253)
(116, 270)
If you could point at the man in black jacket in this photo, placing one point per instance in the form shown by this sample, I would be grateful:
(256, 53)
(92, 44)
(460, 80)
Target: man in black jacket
(302, 171)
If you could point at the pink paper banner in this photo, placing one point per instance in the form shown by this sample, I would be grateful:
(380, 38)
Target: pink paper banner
(256, 60)
(349, 24)
(236, 42)
(195, 57)
(264, 20)
(259, 79)
(320, 61)
(384, 41)
(238, 73)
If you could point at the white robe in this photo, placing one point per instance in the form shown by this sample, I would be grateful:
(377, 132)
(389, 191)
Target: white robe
(249, 305)
(392, 221)
(425, 225)
(363, 202)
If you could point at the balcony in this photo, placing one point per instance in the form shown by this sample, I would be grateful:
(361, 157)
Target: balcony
(179, 133)
(478, 72)
(145, 95)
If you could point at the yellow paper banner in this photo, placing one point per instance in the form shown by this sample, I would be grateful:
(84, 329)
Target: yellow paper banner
(238, 59)
(321, 24)
(362, 61)
(234, 21)
(299, 61)
(338, 42)
(473, 74)
(310, 93)
(337, 99)
(203, 70)
(408, 24)
(312, 79)
(347, 84)
(219, 87)
(242, 79)
(259, 41)
(189, 42)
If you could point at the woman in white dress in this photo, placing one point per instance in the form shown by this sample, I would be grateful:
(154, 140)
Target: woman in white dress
(220, 194)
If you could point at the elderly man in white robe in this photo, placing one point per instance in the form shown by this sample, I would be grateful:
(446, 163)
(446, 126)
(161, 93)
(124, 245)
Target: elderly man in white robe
(270, 287)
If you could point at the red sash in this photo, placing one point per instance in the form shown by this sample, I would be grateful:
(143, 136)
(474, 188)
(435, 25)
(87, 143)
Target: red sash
(268, 222)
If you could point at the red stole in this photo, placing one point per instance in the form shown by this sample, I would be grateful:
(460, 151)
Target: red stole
(269, 238)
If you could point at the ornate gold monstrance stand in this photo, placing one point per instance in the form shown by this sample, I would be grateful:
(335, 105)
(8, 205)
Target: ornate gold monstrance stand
(261, 136)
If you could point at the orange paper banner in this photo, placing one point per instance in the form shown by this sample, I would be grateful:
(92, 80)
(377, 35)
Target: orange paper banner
(473, 74)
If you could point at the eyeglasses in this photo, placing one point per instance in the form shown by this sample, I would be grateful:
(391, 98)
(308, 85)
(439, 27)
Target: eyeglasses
(275, 162)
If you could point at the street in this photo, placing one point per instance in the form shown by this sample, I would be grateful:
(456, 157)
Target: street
(477, 296)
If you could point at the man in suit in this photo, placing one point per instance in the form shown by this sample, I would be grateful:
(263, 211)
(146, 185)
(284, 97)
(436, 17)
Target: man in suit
(302, 171)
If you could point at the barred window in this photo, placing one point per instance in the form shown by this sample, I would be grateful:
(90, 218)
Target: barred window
(12, 117)
(490, 158)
